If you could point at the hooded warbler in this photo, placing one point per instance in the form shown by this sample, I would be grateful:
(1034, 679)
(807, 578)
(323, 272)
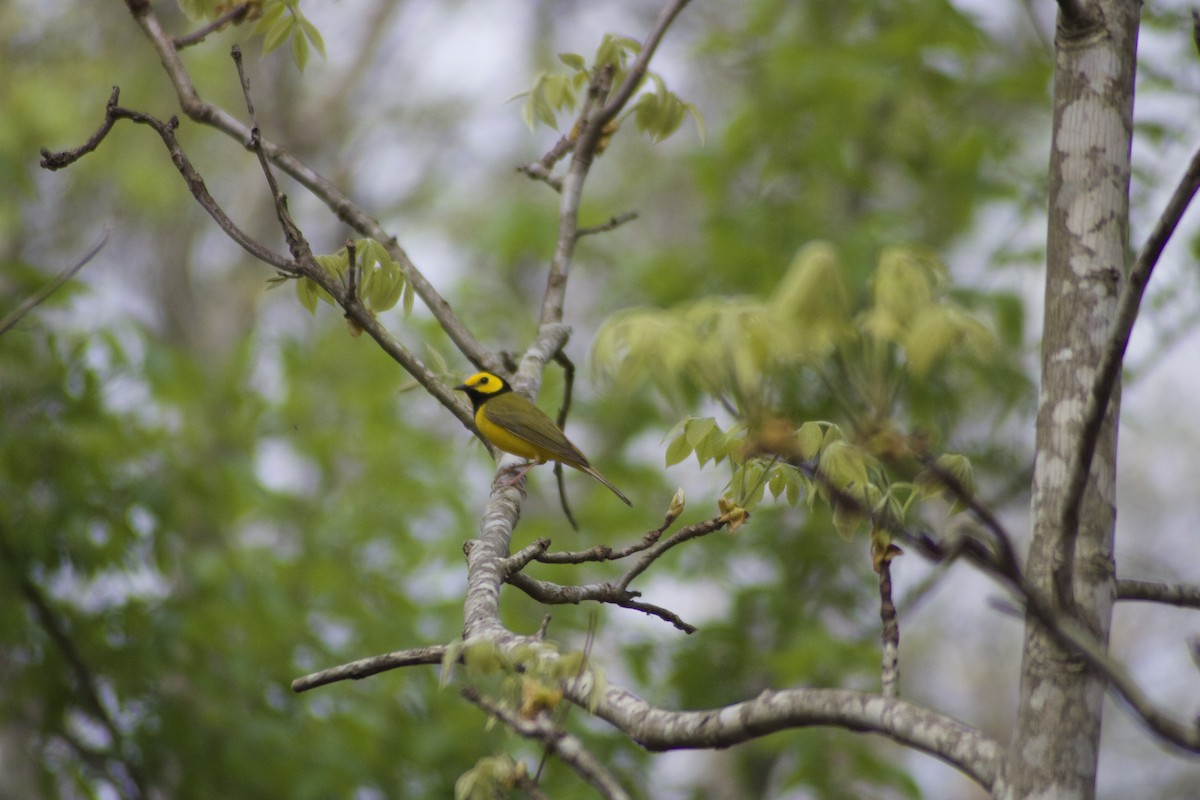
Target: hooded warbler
(515, 425)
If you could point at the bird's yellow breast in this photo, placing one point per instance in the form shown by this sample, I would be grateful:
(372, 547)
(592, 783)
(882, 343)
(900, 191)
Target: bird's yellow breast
(506, 440)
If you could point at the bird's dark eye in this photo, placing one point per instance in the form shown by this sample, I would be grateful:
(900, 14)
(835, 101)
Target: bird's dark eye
(483, 381)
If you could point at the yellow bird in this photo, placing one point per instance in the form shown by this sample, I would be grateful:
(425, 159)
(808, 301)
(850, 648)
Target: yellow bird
(517, 426)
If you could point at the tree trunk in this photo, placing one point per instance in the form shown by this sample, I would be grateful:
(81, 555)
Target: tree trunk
(1055, 746)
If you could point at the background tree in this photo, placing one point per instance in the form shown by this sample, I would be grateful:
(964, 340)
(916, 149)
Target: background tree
(206, 464)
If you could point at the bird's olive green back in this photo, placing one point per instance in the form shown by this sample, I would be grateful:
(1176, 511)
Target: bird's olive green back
(522, 418)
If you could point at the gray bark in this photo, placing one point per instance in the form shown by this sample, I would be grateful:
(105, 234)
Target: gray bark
(1055, 746)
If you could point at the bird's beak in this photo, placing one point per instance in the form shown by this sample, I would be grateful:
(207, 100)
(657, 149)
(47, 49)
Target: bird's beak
(462, 387)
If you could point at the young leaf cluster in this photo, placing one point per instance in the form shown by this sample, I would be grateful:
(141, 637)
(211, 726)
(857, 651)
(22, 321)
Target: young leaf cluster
(531, 674)
(757, 355)
(282, 21)
(658, 113)
(817, 461)
(490, 778)
(379, 281)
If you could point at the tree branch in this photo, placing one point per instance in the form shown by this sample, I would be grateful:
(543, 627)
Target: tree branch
(568, 748)
(889, 632)
(205, 113)
(234, 15)
(366, 667)
(551, 593)
(599, 110)
(656, 729)
(1109, 368)
(195, 184)
(1173, 594)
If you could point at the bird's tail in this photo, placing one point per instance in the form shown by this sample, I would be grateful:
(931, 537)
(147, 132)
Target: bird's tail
(590, 470)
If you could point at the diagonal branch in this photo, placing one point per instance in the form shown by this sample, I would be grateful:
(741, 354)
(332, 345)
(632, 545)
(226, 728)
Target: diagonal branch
(1109, 368)
(39, 297)
(205, 113)
(600, 109)
(195, 183)
(373, 665)
(234, 15)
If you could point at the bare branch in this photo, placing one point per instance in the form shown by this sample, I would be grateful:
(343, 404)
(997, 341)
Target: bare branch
(234, 15)
(679, 537)
(614, 222)
(551, 593)
(195, 184)
(591, 125)
(366, 667)
(1109, 368)
(568, 748)
(39, 297)
(998, 559)
(346, 210)
(1173, 594)
(656, 729)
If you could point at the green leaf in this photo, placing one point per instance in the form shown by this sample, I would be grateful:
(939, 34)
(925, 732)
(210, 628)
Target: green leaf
(697, 430)
(410, 295)
(677, 451)
(306, 291)
(272, 12)
(278, 33)
(300, 51)
(808, 440)
(313, 35)
(573, 60)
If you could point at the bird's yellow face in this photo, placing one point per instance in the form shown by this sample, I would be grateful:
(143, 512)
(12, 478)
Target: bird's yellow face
(483, 383)
(482, 386)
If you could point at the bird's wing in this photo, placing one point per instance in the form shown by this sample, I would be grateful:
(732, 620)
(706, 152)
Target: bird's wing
(532, 424)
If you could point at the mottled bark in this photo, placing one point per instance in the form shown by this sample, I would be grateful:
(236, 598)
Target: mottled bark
(1055, 746)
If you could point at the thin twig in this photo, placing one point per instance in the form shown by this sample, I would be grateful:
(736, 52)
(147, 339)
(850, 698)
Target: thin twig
(679, 537)
(39, 297)
(235, 15)
(195, 183)
(568, 389)
(346, 210)
(551, 593)
(615, 221)
(373, 665)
